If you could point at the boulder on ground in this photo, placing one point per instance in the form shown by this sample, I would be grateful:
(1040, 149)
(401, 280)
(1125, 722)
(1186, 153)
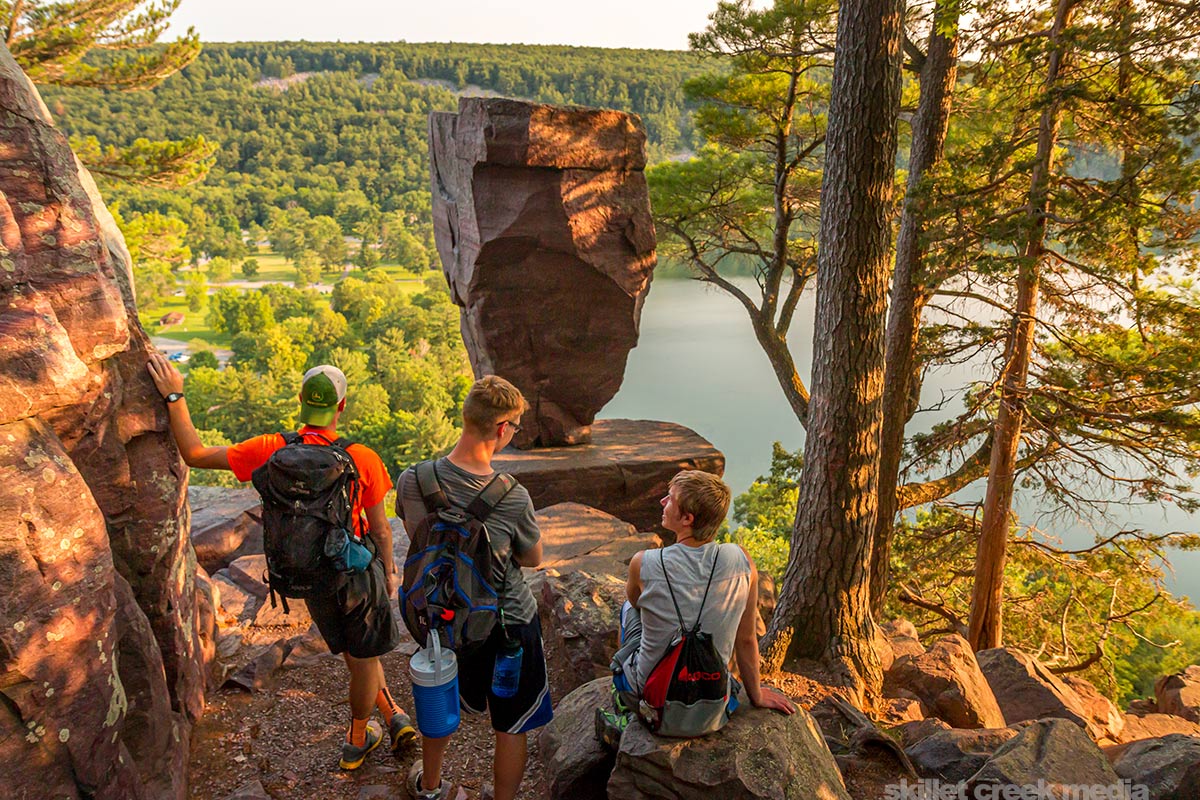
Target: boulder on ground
(624, 471)
(909, 733)
(578, 537)
(581, 618)
(949, 683)
(248, 572)
(548, 204)
(1179, 694)
(1169, 767)
(306, 649)
(260, 674)
(1055, 752)
(902, 636)
(954, 755)
(576, 765)
(235, 600)
(1026, 690)
(759, 754)
(226, 524)
(1104, 716)
(893, 711)
(1153, 726)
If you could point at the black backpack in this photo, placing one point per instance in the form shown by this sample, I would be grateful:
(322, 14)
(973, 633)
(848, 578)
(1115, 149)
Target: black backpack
(687, 692)
(450, 572)
(308, 493)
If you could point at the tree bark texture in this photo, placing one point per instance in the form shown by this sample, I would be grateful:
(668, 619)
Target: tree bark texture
(985, 627)
(901, 381)
(824, 608)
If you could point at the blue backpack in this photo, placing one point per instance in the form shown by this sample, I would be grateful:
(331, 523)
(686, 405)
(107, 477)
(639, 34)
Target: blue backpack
(451, 573)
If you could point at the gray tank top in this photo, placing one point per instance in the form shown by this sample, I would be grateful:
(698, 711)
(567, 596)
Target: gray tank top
(689, 568)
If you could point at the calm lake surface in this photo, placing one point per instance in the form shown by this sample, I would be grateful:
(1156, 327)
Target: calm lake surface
(699, 365)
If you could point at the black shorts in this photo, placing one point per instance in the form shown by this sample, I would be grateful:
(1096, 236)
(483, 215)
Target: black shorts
(357, 619)
(531, 707)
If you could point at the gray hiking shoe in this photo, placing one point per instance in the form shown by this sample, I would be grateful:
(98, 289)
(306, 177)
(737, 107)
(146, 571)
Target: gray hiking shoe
(446, 791)
(352, 755)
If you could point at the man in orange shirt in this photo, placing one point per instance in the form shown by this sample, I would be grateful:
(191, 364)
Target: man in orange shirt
(357, 620)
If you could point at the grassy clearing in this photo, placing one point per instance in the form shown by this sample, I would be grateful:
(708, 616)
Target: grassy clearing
(192, 327)
(272, 268)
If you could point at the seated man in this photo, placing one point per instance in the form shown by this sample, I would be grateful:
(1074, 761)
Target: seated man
(671, 584)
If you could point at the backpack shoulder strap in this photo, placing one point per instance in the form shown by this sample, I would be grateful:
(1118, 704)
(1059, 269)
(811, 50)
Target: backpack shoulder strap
(491, 495)
(431, 490)
(291, 437)
(663, 563)
(707, 586)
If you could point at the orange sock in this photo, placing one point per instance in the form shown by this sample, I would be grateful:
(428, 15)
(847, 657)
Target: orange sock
(387, 705)
(358, 732)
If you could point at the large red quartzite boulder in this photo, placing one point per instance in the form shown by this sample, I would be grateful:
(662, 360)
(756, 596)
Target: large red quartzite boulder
(542, 221)
(624, 471)
(101, 658)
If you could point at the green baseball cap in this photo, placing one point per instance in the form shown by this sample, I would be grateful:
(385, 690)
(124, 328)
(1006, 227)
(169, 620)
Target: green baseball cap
(323, 388)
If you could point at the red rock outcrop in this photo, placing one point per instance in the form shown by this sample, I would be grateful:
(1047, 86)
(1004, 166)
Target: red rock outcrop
(101, 658)
(624, 471)
(947, 680)
(542, 221)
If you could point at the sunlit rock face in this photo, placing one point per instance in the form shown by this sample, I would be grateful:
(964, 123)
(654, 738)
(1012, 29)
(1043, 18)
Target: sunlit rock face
(542, 221)
(101, 661)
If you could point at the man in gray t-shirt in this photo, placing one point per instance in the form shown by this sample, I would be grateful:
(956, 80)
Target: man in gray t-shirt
(511, 527)
(491, 416)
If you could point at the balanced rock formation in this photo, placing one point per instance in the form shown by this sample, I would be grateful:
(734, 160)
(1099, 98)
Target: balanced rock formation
(624, 471)
(542, 221)
(101, 649)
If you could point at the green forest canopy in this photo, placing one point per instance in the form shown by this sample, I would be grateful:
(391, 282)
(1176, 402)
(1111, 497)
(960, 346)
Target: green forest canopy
(340, 129)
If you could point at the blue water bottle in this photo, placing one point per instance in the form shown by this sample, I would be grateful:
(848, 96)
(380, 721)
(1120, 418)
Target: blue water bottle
(506, 675)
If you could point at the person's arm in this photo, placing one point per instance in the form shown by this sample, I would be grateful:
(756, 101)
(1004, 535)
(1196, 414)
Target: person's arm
(531, 557)
(380, 531)
(633, 584)
(745, 650)
(527, 536)
(167, 380)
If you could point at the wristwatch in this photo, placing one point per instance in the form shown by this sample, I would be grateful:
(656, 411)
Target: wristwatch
(173, 396)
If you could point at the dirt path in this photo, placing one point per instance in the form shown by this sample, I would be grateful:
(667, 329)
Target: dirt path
(289, 739)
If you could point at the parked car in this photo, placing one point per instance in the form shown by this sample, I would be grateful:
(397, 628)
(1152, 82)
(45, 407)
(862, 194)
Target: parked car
(182, 357)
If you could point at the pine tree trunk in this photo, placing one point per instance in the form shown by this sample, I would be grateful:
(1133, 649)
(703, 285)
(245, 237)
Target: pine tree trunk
(901, 382)
(824, 605)
(986, 627)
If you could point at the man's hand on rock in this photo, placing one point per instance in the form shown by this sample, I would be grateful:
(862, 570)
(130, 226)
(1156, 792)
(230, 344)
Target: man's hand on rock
(167, 378)
(773, 699)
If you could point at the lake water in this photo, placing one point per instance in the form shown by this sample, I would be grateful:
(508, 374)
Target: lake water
(698, 364)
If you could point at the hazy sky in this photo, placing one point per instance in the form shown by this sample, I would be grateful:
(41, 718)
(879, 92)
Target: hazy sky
(662, 24)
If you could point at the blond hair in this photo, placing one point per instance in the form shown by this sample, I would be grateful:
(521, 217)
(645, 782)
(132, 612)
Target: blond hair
(705, 497)
(490, 399)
